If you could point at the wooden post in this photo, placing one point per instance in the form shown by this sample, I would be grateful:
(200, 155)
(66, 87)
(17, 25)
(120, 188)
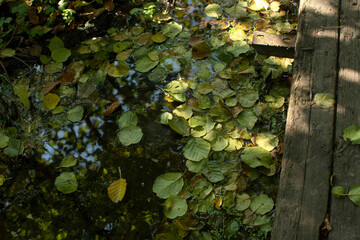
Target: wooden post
(302, 200)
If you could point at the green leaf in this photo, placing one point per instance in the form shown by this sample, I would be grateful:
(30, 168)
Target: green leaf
(234, 144)
(168, 184)
(60, 54)
(354, 194)
(127, 119)
(247, 97)
(236, 11)
(145, 64)
(154, 55)
(238, 47)
(196, 167)
(256, 157)
(220, 114)
(180, 125)
(56, 43)
(242, 201)
(176, 87)
(324, 100)
(196, 149)
(158, 38)
(15, 147)
(159, 74)
(171, 29)
(53, 67)
(247, 119)
(219, 144)
(201, 51)
(275, 102)
(2, 179)
(352, 134)
(175, 206)
(4, 140)
(75, 114)
(183, 111)
(69, 161)
(213, 172)
(204, 88)
(22, 92)
(118, 69)
(51, 100)
(267, 141)
(66, 182)
(165, 117)
(283, 27)
(263, 221)
(338, 191)
(213, 10)
(130, 135)
(121, 46)
(261, 204)
(7, 52)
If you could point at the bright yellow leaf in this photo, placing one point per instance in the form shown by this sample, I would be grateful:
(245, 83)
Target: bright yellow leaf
(116, 190)
(51, 100)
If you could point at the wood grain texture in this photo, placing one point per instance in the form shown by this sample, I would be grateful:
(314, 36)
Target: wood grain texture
(304, 182)
(344, 215)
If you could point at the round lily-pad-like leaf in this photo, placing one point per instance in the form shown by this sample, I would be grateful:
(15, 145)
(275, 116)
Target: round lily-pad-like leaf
(51, 100)
(120, 46)
(158, 38)
(238, 48)
(118, 69)
(247, 119)
(213, 172)
(261, 204)
(60, 54)
(7, 52)
(236, 11)
(56, 43)
(168, 184)
(66, 182)
(75, 114)
(127, 119)
(4, 140)
(165, 117)
(171, 29)
(130, 135)
(201, 51)
(352, 134)
(15, 147)
(220, 114)
(354, 194)
(267, 141)
(53, 67)
(256, 157)
(196, 149)
(183, 111)
(175, 206)
(324, 100)
(213, 10)
(180, 125)
(197, 121)
(242, 201)
(145, 64)
(219, 144)
(247, 97)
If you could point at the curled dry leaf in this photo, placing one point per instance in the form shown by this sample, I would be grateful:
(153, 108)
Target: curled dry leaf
(112, 108)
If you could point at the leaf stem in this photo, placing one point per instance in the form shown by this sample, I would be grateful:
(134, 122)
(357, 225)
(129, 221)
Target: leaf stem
(120, 171)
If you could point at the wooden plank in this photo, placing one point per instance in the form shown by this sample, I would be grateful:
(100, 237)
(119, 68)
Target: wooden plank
(306, 166)
(344, 215)
(273, 44)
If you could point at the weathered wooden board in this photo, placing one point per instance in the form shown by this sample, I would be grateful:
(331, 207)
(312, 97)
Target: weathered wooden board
(302, 200)
(344, 215)
(274, 45)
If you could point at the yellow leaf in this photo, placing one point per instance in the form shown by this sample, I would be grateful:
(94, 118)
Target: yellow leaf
(116, 190)
(51, 100)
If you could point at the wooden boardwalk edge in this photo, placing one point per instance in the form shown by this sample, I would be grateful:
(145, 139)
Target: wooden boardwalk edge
(302, 200)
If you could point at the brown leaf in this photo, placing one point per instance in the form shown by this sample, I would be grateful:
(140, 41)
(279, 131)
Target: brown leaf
(50, 86)
(195, 40)
(33, 17)
(67, 77)
(326, 227)
(111, 109)
(145, 39)
(109, 5)
(201, 51)
(35, 50)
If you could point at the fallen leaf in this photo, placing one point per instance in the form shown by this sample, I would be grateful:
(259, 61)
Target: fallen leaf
(50, 86)
(109, 5)
(67, 77)
(116, 190)
(326, 227)
(112, 108)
